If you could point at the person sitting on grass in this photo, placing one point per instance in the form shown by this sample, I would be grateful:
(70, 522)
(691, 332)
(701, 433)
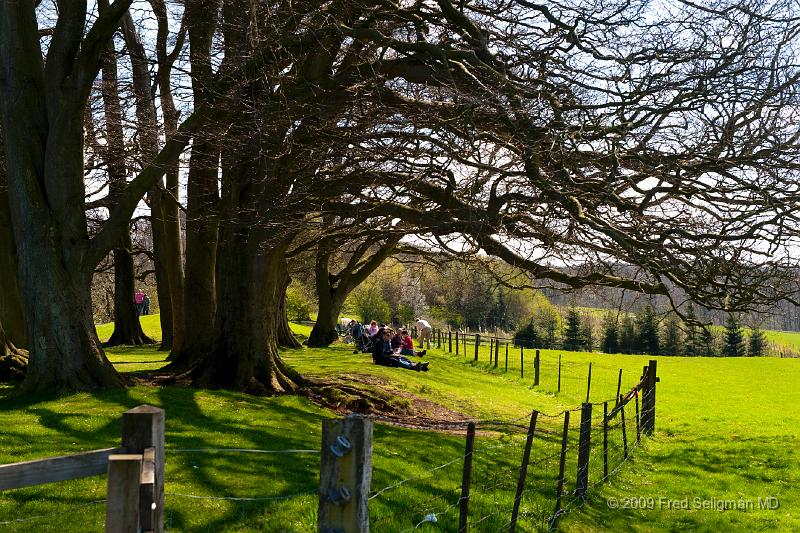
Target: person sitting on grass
(382, 354)
(408, 345)
(397, 341)
(373, 329)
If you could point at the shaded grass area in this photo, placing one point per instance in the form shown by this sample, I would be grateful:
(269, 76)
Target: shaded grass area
(726, 428)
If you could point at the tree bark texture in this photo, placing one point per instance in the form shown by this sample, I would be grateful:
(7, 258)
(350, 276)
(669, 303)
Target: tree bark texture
(172, 253)
(332, 290)
(42, 116)
(127, 328)
(202, 197)
(11, 309)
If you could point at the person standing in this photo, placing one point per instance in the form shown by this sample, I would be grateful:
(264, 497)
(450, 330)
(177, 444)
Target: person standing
(424, 329)
(146, 305)
(139, 297)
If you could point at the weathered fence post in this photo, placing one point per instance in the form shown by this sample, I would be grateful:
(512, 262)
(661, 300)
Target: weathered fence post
(561, 467)
(450, 341)
(491, 349)
(496, 351)
(605, 441)
(652, 379)
(624, 431)
(523, 471)
(477, 345)
(638, 423)
(506, 357)
(457, 343)
(466, 479)
(345, 475)
(619, 385)
(559, 372)
(584, 447)
(521, 361)
(536, 363)
(589, 383)
(122, 507)
(143, 428)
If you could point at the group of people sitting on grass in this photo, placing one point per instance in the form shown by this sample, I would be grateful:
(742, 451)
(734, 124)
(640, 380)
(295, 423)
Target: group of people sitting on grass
(390, 348)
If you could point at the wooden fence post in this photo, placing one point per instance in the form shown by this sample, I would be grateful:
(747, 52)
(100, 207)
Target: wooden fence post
(561, 467)
(584, 447)
(619, 385)
(122, 507)
(605, 441)
(652, 379)
(142, 428)
(523, 471)
(496, 351)
(506, 357)
(536, 364)
(521, 361)
(624, 431)
(638, 423)
(589, 383)
(345, 475)
(477, 345)
(491, 349)
(457, 343)
(559, 372)
(466, 479)
(450, 341)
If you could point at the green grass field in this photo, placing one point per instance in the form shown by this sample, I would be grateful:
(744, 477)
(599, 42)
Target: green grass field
(726, 429)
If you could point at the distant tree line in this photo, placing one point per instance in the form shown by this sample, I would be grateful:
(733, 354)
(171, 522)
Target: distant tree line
(647, 333)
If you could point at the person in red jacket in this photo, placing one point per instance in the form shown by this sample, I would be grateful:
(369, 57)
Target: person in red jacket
(408, 346)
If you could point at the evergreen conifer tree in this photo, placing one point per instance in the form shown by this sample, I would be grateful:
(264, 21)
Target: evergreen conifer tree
(610, 342)
(627, 337)
(757, 343)
(648, 337)
(572, 331)
(673, 344)
(693, 342)
(734, 339)
(708, 343)
(587, 335)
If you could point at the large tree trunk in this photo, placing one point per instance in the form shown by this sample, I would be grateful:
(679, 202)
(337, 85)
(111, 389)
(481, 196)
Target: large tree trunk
(13, 361)
(199, 298)
(285, 336)
(11, 308)
(163, 289)
(65, 353)
(172, 252)
(244, 354)
(127, 329)
(332, 291)
(42, 116)
(324, 331)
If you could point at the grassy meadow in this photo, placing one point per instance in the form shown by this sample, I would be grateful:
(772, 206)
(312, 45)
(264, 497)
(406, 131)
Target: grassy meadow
(726, 429)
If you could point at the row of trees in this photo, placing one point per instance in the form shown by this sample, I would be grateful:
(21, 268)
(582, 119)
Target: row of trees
(552, 138)
(648, 334)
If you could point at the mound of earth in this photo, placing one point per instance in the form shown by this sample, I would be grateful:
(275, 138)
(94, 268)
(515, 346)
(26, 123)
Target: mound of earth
(376, 396)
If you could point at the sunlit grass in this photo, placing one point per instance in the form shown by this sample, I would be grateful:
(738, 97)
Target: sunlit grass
(726, 428)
